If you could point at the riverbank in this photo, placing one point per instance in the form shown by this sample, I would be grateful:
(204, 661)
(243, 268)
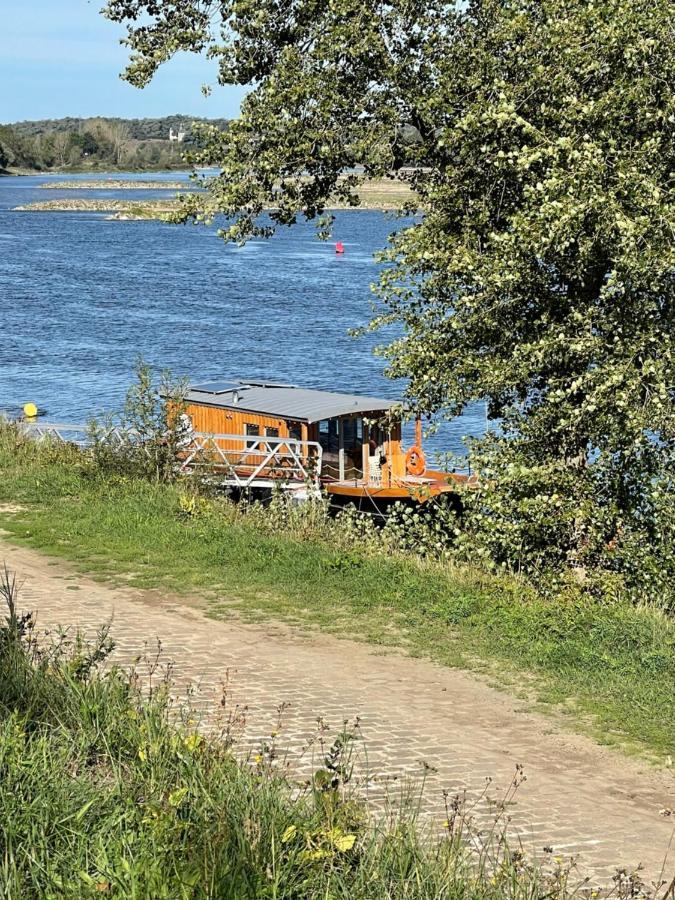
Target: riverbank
(607, 670)
(95, 171)
(12, 172)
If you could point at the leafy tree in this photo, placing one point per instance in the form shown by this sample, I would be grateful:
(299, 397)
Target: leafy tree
(86, 141)
(67, 142)
(13, 150)
(140, 129)
(61, 147)
(541, 275)
(6, 154)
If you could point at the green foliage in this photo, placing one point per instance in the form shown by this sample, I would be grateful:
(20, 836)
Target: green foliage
(107, 788)
(546, 520)
(144, 441)
(7, 155)
(540, 278)
(147, 129)
(15, 150)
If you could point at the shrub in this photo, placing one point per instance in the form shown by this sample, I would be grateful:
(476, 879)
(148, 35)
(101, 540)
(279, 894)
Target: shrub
(144, 440)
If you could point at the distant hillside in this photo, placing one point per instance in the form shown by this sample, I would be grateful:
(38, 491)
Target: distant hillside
(100, 143)
(139, 129)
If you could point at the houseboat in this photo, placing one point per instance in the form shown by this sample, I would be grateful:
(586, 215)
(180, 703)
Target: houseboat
(255, 434)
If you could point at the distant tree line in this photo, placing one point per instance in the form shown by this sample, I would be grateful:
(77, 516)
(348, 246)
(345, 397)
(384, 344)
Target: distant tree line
(96, 143)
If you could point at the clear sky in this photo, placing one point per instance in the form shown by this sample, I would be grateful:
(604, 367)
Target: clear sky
(62, 58)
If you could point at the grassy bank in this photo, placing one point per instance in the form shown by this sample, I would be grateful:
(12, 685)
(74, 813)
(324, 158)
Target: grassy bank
(106, 788)
(610, 669)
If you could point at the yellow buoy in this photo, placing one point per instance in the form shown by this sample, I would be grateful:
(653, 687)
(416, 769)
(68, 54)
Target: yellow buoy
(30, 410)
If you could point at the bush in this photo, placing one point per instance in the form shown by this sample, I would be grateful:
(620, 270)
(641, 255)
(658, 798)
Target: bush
(144, 440)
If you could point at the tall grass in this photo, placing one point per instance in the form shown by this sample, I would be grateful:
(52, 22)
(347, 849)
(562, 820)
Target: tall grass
(107, 787)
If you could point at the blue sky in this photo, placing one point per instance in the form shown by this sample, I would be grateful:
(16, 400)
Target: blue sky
(62, 58)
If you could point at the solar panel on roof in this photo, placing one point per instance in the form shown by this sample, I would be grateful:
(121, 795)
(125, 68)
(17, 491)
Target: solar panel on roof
(216, 387)
(267, 384)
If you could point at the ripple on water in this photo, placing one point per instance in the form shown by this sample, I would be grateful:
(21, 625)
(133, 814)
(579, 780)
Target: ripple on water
(82, 297)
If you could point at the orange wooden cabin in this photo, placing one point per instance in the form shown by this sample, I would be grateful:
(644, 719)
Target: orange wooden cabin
(258, 434)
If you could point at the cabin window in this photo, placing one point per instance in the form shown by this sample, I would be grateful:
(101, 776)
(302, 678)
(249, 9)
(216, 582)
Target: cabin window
(252, 431)
(376, 439)
(352, 433)
(271, 432)
(328, 435)
(329, 439)
(295, 431)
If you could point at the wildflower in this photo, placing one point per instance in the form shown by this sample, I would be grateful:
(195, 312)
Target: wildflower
(193, 742)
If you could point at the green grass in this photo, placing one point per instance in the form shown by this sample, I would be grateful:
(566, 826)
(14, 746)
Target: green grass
(108, 789)
(608, 669)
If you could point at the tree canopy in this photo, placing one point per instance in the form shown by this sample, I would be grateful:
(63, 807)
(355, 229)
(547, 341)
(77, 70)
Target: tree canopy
(538, 136)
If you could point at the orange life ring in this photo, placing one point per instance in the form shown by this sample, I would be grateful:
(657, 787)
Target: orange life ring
(415, 462)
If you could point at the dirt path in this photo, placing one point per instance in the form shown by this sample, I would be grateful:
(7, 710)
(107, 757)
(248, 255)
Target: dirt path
(583, 800)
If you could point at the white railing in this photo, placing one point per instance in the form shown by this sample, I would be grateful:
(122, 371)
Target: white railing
(68, 433)
(249, 461)
(242, 461)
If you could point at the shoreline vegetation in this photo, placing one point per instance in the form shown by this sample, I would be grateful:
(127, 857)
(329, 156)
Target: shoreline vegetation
(378, 195)
(604, 669)
(96, 145)
(104, 172)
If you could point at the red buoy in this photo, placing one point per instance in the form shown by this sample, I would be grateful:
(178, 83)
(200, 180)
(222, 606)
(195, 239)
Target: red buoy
(339, 247)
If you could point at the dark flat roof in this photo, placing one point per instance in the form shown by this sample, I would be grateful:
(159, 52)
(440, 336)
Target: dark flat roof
(283, 400)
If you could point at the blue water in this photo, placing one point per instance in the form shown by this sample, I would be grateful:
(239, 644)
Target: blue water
(81, 297)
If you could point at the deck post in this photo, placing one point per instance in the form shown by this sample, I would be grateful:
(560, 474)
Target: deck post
(341, 449)
(365, 454)
(390, 458)
(418, 431)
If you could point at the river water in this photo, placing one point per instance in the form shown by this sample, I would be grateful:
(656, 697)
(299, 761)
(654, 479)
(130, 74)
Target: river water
(82, 297)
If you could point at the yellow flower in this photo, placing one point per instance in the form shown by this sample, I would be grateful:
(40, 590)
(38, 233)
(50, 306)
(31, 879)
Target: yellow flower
(193, 742)
(345, 842)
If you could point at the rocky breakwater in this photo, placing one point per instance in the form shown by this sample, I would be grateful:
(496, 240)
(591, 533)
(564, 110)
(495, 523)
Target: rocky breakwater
(117, 184)
(122, 209)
